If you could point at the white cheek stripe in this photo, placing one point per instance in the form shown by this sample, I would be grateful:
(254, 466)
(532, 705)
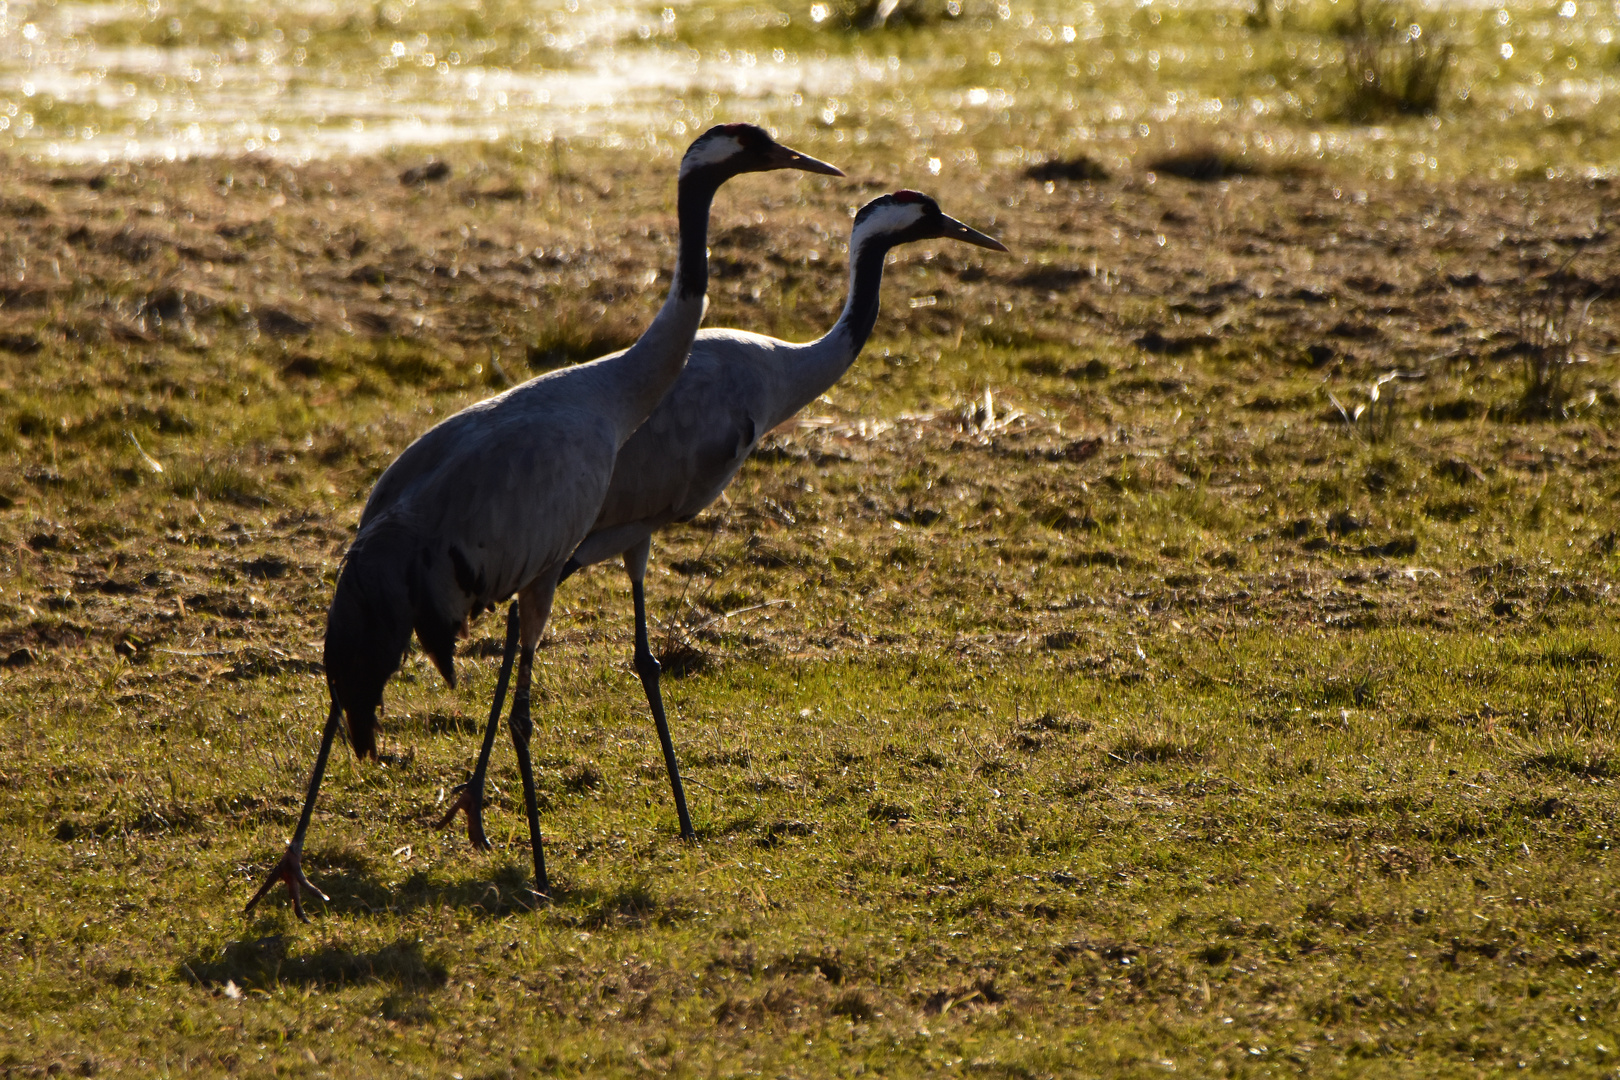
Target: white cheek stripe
(711, 151)
(893, 218)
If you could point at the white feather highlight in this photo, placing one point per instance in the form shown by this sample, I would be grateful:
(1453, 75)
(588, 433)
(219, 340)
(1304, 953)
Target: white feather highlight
(893, 218)
(711, 151)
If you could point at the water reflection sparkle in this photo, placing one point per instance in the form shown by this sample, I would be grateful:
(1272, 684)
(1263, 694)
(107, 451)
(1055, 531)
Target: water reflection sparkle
(91, 80)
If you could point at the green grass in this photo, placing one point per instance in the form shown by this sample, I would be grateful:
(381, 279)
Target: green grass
(1188, 705)
(1220, 853)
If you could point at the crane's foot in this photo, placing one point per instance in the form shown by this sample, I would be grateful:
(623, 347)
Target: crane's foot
(469, 800)
(290, 871)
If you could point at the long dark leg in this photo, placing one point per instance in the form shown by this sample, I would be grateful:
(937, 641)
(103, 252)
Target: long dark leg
(534, 604)
(290, 869)
(522, 731)
(647, 666)
(470, 799)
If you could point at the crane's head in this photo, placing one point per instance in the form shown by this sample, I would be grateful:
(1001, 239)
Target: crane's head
(908, 216)
(730, 149)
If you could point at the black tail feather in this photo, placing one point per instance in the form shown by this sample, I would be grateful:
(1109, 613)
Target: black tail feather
(368, 629)
(383, 593)
(438, 638)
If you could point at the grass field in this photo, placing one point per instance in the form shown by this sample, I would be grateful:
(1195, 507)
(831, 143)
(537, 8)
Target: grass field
(1185, 644)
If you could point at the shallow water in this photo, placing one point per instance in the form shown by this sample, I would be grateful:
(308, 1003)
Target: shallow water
(347, 78)
(148, 79)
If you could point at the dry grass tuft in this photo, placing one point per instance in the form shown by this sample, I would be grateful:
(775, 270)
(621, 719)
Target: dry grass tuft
(1393, 64)
(1552, 321)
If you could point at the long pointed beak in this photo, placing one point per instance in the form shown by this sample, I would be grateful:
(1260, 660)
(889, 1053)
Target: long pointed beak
(955, 230)
(788, 158)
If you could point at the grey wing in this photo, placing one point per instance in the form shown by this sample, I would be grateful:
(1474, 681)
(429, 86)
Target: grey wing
(460, 437)
(725, 459)
(512, 502)
(683, 457)
(531, 410)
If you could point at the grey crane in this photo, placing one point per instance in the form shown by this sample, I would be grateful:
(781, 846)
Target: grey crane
(492, 501)
(736, 387)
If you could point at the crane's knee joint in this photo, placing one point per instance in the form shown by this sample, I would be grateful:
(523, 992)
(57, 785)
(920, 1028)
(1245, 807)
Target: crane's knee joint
(647, 665)
(522, 725)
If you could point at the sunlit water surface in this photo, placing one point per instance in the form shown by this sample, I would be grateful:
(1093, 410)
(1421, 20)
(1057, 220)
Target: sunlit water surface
(154, 79)
(323, 79)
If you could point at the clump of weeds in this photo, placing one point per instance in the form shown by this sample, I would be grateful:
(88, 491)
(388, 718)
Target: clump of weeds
(1551, 322)
(1393, 64)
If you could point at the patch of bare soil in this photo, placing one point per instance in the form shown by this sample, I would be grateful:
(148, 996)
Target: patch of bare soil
(1192, 401)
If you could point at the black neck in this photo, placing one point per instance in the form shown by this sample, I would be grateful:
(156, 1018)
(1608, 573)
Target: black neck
(695, 195)
(865, 287)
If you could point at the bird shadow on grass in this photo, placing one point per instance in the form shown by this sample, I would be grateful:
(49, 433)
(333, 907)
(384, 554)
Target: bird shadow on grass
(614, 905)
(265, 962)
(765, 833)
(356, 889)
(507, 889)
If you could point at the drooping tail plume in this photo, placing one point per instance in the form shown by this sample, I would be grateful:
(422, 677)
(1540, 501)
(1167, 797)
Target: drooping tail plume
(368, 628)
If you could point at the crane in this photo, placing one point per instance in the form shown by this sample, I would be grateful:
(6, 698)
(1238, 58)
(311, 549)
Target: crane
(736, 387)
(492, 501)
